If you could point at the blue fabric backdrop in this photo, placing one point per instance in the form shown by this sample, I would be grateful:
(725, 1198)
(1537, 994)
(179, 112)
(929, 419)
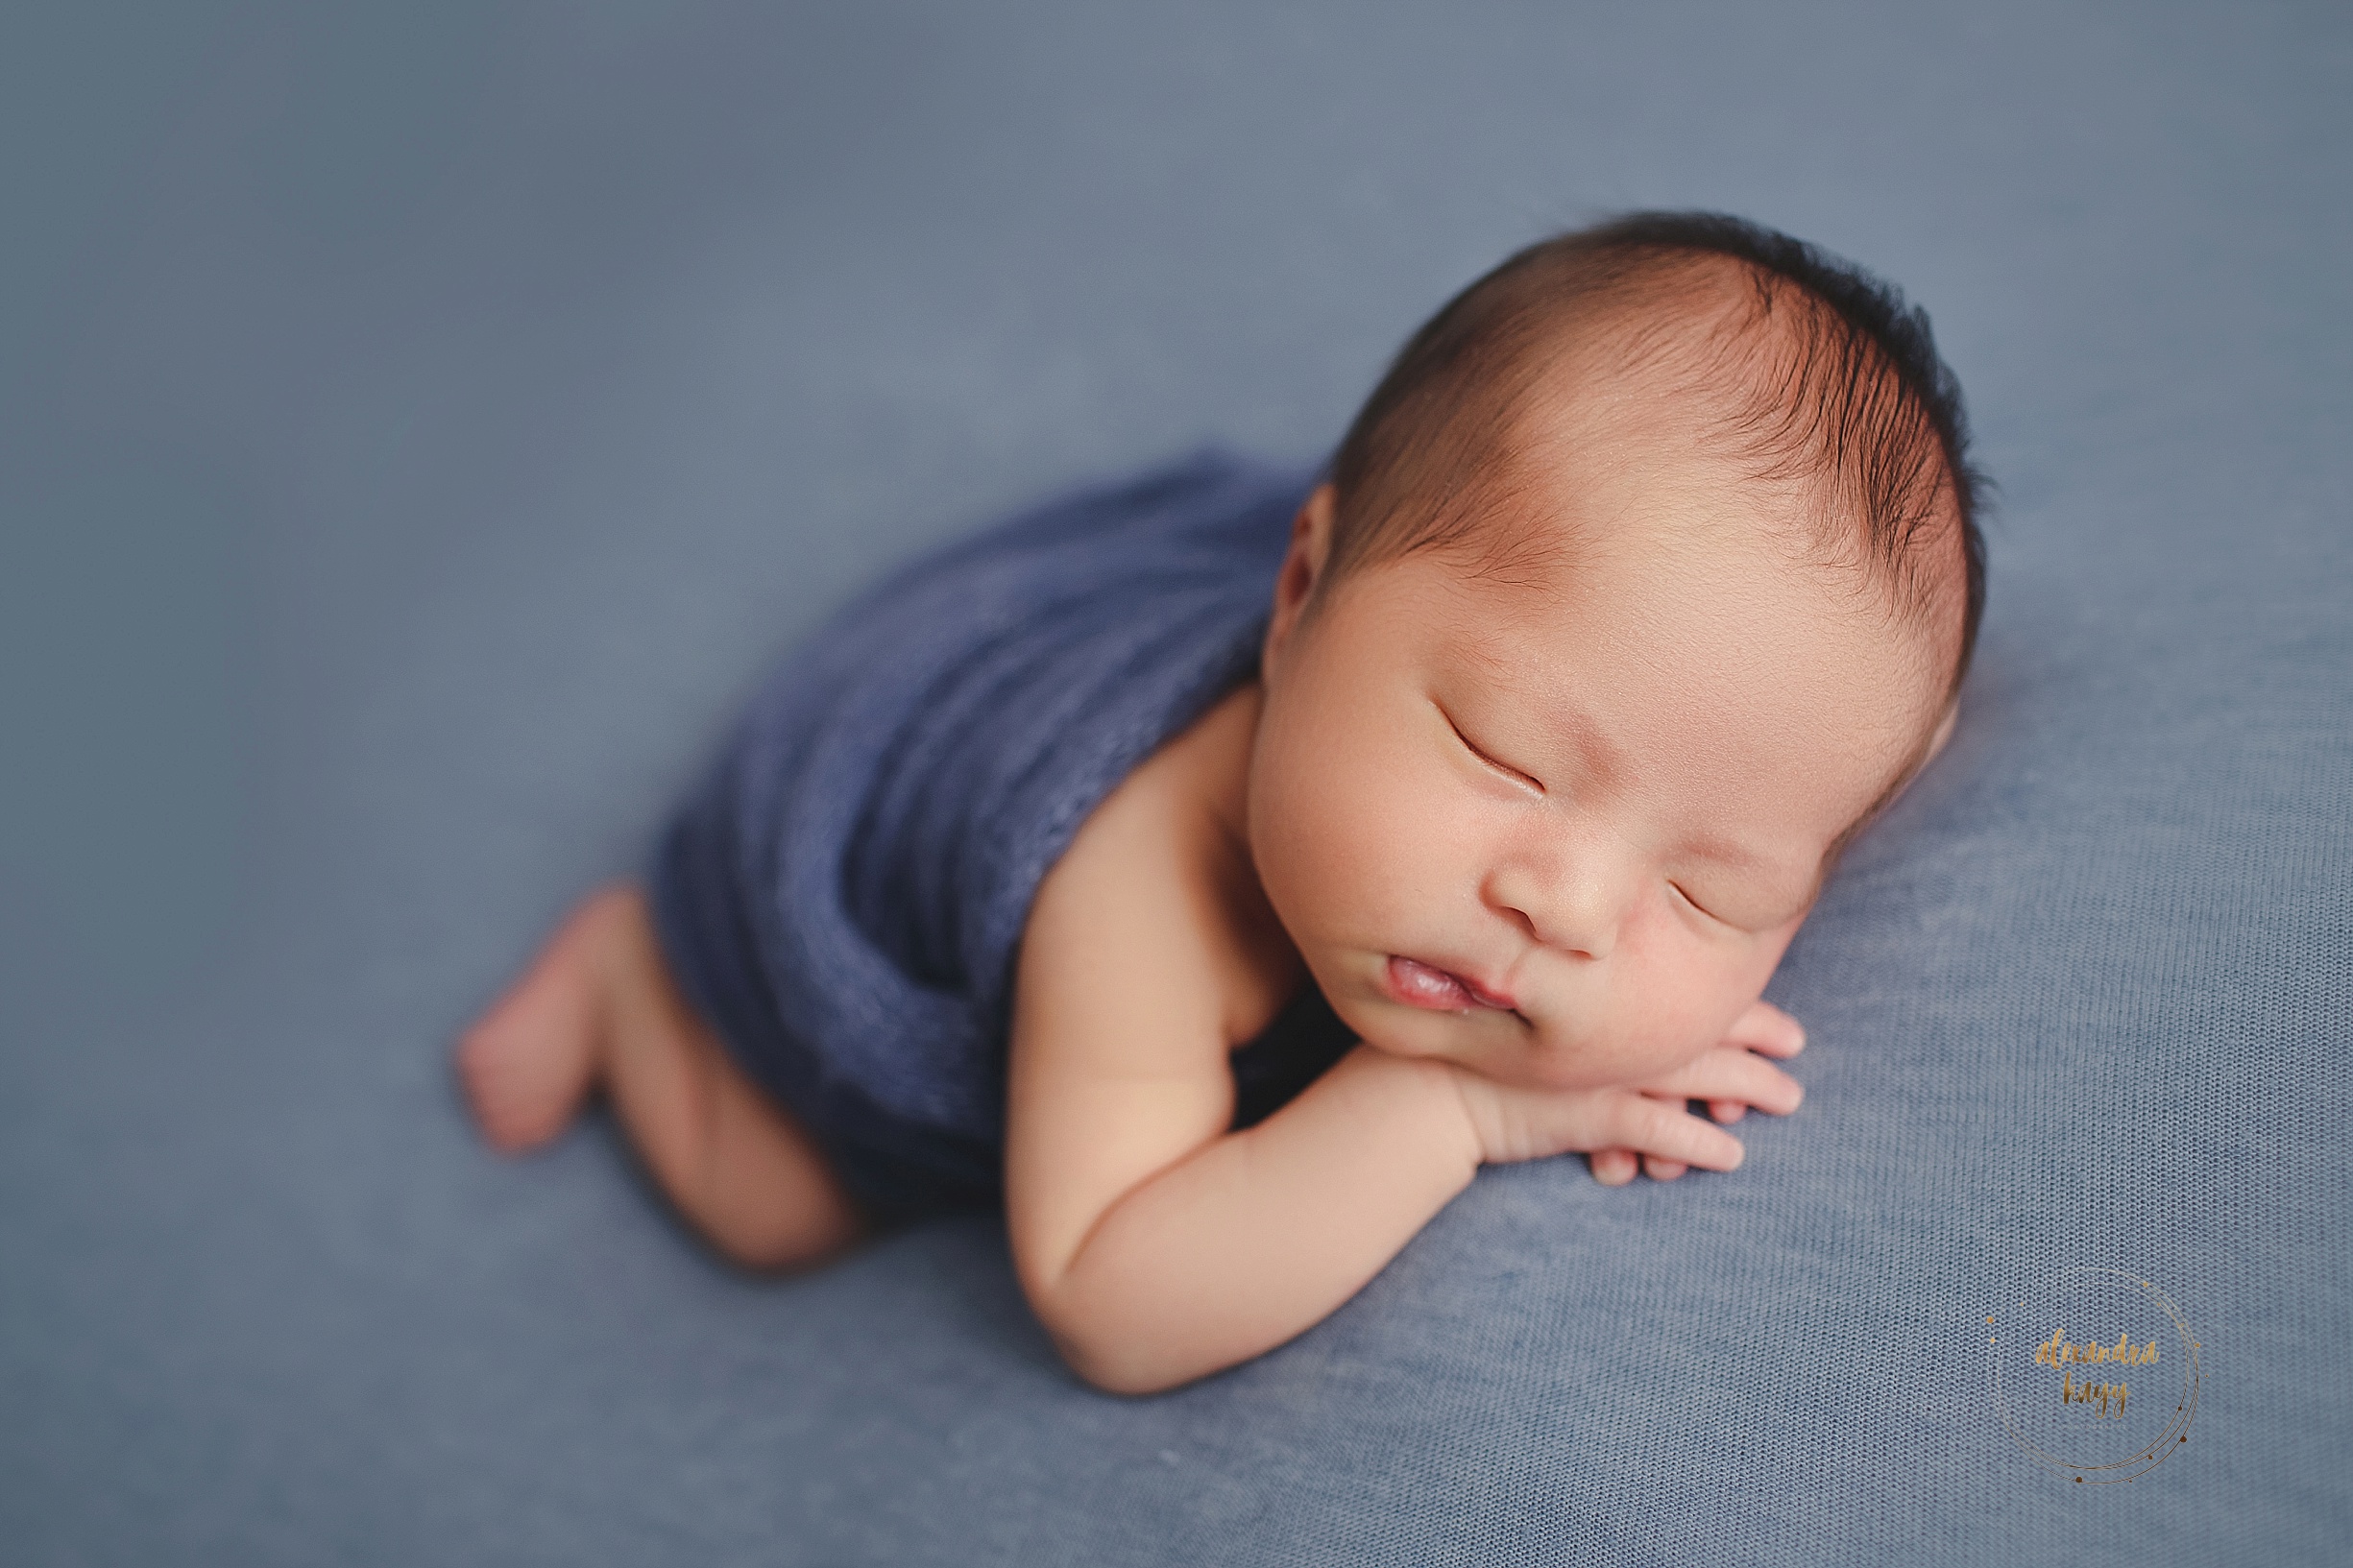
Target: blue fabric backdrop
(420, 425)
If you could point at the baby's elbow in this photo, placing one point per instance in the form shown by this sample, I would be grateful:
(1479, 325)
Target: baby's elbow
(1111, 1357)
(1112, 1328)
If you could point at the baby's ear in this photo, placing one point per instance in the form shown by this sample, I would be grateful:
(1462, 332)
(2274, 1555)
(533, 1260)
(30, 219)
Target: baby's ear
(1303, 568)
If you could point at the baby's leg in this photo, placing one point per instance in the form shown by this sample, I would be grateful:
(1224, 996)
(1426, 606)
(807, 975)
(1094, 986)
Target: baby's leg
(598, 1008)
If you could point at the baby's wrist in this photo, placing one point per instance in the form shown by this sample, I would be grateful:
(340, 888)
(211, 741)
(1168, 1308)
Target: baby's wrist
(1455, 1099)
(1428, 1091)
(1476, 1100)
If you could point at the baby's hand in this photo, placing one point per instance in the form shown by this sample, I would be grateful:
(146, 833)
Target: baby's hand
(1764, 1027)
(1645, 1121)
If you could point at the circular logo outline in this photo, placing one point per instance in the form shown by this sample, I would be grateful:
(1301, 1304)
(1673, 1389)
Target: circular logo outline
(2177, 1431)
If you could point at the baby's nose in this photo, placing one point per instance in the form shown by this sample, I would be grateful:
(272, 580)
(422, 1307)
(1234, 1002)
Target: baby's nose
(1575, 909)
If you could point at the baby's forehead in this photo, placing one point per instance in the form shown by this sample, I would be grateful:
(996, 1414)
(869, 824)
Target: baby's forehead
(1713, 380)
(1661, 552)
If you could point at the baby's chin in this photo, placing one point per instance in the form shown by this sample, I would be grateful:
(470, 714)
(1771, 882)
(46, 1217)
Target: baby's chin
(1496, 1045)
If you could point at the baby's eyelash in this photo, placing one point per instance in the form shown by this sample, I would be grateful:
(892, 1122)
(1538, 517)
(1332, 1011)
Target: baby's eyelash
(1685, 894)
(1504, 768)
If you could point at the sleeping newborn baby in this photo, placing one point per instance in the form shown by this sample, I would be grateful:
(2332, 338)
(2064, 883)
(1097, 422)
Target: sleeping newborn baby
(1219, 869)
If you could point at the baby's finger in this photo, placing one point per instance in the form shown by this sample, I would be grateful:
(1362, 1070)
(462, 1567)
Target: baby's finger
(1767, 1029)
(1666, 1129)
(1614, 1166)
(1727, 1110)
(1730, 1077)
(1662, 1169)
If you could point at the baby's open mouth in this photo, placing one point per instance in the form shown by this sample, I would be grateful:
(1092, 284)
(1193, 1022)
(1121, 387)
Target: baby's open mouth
(1418, 984)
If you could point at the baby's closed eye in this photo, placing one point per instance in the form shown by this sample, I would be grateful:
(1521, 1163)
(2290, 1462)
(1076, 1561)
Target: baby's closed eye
(1517, 776)
(1685, 894)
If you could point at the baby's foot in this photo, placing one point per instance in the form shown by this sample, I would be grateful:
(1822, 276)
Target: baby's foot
(531, 1059)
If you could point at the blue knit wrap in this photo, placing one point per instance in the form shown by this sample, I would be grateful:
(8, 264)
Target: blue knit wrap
(843, 895)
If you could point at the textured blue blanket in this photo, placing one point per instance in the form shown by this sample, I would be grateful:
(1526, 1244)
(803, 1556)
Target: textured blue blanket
(844, 894)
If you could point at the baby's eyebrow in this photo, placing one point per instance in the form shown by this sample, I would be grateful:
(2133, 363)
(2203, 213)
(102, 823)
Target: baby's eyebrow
(1773, 873)
(1738, 857)
(1601, 758)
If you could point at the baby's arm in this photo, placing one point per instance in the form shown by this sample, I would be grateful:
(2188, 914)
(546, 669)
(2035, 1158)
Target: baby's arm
(1156, 1245)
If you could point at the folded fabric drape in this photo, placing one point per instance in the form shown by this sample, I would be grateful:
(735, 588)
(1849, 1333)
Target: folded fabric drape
(843, 895)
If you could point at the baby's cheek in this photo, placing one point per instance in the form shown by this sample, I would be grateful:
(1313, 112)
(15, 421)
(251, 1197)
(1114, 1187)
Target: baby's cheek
(1680, 1004)
(1366, 839)
(1323, 857)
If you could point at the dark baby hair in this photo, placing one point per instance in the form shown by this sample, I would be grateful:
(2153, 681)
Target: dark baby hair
(1856, 401)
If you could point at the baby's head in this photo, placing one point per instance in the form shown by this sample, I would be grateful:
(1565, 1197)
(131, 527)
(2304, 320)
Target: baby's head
(1645, 579)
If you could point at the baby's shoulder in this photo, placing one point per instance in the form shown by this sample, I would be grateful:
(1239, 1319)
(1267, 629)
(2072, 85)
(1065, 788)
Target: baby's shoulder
(1159, 877)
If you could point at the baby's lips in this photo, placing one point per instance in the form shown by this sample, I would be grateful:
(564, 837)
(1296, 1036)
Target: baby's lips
(1419, 985)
